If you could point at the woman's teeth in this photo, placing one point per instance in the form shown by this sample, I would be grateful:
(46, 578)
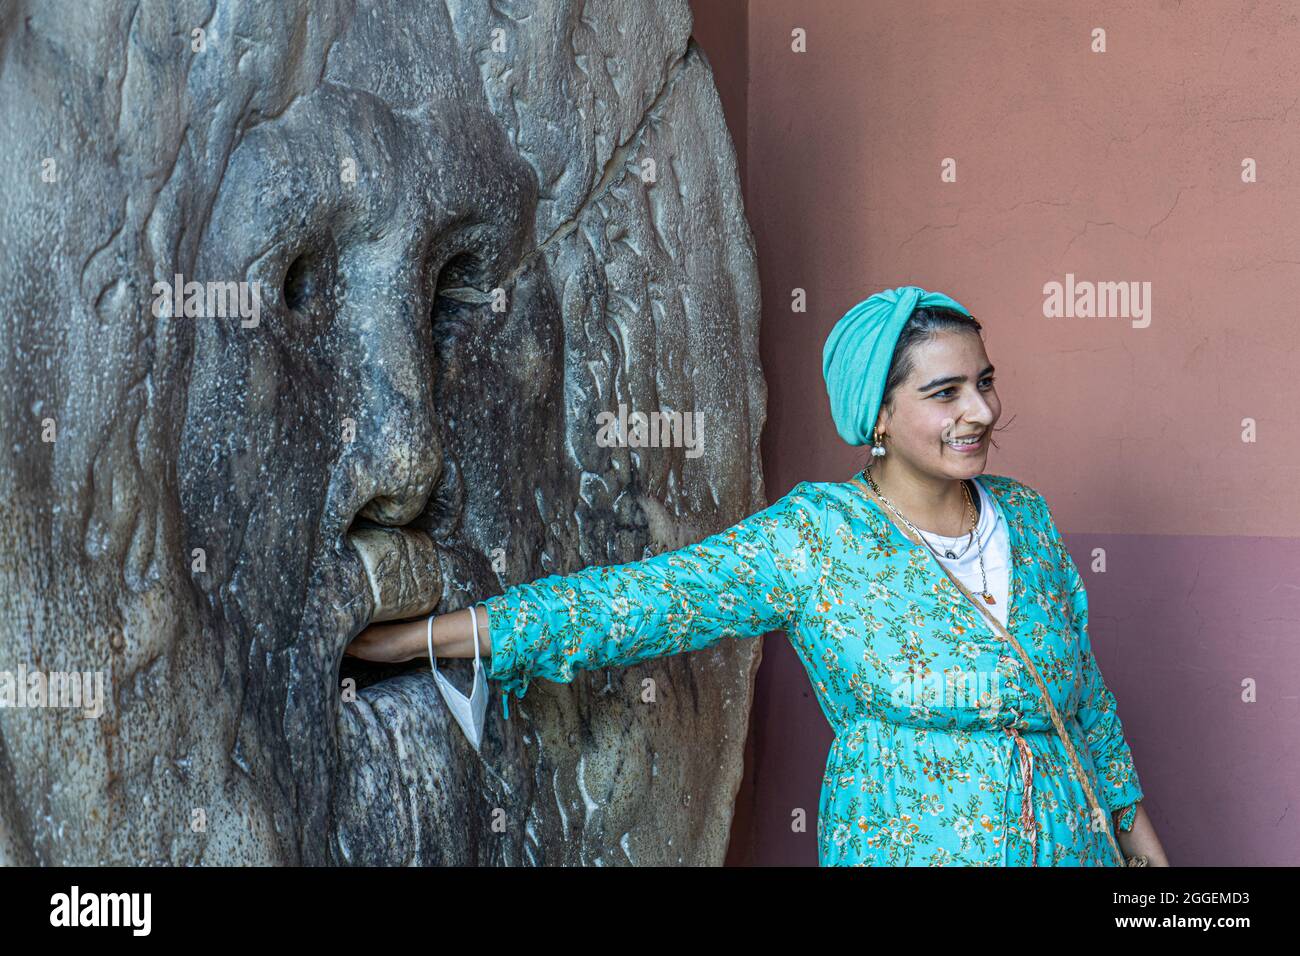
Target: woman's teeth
(964, 444)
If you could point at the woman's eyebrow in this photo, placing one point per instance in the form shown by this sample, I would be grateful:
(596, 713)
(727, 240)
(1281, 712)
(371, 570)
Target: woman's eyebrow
(950, 379)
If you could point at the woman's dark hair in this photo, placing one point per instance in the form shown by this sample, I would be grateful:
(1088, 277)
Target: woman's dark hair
(921, 326)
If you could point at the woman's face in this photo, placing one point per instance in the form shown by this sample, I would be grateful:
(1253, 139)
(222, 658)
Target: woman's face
(949, 395)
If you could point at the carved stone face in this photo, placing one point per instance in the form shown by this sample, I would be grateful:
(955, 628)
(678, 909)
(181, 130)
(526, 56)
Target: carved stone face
(228, 500)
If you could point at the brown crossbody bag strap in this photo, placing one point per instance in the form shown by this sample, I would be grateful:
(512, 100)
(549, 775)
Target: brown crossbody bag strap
(1042, 688)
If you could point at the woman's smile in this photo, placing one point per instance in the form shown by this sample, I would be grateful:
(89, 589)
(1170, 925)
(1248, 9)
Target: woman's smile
(967, 448)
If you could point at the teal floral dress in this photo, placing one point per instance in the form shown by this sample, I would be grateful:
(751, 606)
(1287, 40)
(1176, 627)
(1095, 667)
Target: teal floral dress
(944, 754)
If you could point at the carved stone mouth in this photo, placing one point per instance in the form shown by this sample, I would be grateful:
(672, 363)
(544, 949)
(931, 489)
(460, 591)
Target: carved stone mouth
(408, 575)
(405, 574)
(396, 736)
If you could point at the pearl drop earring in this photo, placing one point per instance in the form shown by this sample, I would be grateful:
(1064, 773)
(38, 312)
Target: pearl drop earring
(878, 449)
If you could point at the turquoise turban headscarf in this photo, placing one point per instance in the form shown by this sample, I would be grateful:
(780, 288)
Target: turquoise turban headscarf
(858, 353)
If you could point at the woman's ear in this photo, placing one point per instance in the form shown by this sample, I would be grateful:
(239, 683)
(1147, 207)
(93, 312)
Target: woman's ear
(883, 419)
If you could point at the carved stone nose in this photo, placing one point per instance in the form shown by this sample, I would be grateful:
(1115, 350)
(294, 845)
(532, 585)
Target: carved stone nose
(392, 458)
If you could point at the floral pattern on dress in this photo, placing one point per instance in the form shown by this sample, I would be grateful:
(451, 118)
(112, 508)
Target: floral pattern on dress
(917, 686)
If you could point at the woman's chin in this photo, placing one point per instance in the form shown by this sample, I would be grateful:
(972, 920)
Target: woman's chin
(964, 464)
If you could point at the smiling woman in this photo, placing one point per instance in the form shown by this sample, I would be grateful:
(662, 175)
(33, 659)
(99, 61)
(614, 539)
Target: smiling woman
(862, 576)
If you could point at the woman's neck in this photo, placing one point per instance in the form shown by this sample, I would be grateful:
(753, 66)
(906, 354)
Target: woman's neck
(934, 504)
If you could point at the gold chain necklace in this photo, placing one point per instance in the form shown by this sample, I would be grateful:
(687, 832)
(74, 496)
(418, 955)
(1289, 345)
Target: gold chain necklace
(985, 593)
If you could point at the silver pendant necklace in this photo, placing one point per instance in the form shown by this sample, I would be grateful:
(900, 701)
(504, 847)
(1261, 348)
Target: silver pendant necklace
(970, 535)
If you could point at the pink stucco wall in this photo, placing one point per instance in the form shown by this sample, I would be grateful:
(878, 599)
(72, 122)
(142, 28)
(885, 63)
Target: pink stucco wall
(1117, 166)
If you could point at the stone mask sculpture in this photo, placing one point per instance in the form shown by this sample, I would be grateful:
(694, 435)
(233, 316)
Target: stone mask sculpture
(454, 234)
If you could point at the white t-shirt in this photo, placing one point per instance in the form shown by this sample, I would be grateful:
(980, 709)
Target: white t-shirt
(991, 532)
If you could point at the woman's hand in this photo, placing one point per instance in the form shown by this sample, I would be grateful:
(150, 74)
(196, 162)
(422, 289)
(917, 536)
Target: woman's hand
(1142, 840)
(390, 642)
(396, 641)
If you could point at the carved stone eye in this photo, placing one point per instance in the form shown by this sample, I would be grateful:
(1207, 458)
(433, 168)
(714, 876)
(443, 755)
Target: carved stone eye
(458, 295)
(309, 282)
(297, 283)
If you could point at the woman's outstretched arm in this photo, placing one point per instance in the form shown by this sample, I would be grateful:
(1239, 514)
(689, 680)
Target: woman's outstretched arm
(744, 581)
(735, 583)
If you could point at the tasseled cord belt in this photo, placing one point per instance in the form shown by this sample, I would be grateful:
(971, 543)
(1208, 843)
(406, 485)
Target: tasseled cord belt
(1027, 824)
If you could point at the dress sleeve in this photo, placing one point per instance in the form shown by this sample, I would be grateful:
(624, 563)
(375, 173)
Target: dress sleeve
(740, 582)
(1099, 717)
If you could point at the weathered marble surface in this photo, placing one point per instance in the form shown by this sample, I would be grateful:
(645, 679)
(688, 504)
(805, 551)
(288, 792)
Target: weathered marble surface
(378, 387)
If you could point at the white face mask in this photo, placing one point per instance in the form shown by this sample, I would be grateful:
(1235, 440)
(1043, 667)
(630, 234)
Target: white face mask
(471, 711)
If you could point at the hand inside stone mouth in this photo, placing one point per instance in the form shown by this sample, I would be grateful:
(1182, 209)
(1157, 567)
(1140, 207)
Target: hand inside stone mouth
(399, 641)
(390, 643)
(407, 573)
